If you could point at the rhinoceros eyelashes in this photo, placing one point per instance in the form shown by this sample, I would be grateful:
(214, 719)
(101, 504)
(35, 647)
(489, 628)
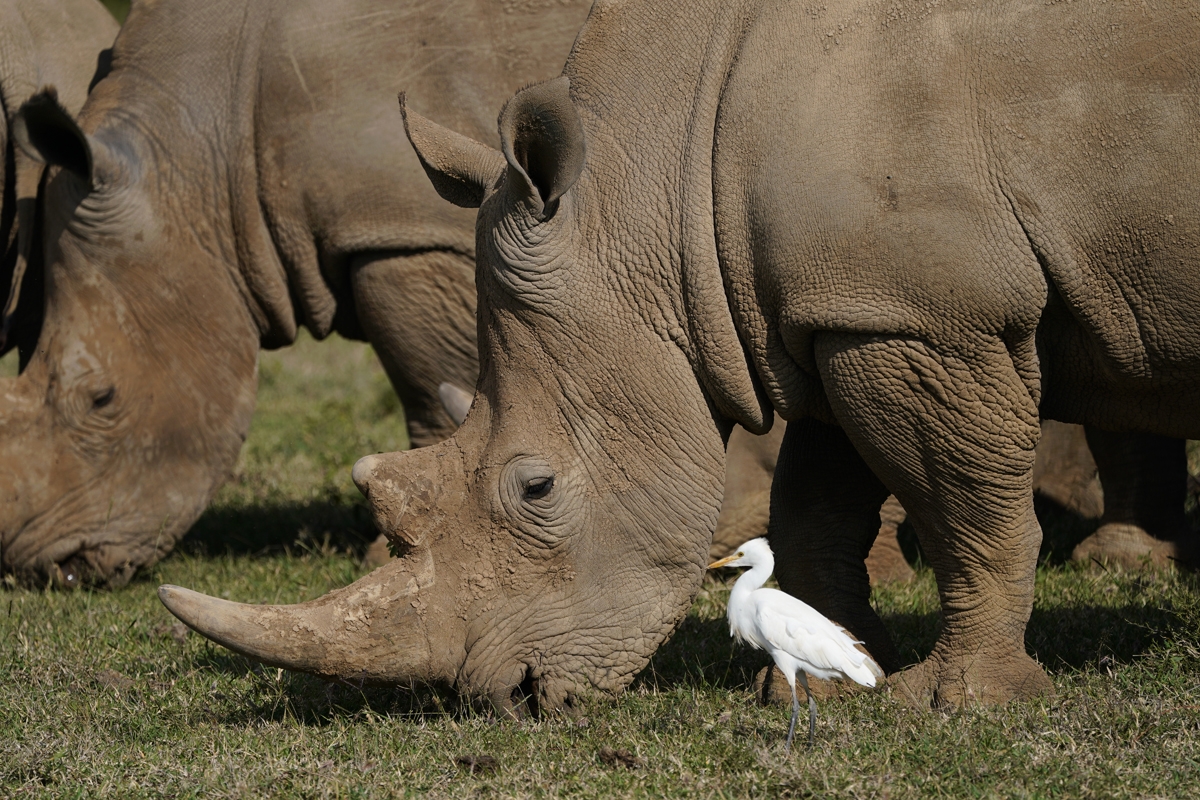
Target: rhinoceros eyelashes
(104, 398)
(538, 488)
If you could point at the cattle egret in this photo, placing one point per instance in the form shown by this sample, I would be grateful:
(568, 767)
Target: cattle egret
(798, 637)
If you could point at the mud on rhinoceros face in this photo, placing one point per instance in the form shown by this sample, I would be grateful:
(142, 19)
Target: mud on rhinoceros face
(133, 405)
(562, 531)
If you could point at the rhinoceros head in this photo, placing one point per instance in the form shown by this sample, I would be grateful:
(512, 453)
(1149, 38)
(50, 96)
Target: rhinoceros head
(138, 395)
(559, 536)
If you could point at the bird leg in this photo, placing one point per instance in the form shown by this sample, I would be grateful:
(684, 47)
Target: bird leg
(812, 707)
(795, 715)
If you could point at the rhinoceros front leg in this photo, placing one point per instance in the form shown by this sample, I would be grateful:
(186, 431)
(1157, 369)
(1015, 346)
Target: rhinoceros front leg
(824, 517)
(953, 435)
(418, 312)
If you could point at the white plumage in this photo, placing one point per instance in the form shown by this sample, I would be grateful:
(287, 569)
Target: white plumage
(797, 636)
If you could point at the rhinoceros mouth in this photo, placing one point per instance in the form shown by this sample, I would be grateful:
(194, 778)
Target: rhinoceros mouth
(73, 559)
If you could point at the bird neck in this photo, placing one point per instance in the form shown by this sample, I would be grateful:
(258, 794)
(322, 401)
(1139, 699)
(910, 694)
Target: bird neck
(751, 579)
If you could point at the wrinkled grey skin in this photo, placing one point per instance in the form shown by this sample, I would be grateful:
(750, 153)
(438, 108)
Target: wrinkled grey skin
(59, 43)
(238, 174)
(909, 230)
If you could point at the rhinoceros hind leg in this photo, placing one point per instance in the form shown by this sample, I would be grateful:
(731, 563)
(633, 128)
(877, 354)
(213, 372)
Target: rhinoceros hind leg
(953, 436)
(824, 517)
(1145, 484)
(886, 562)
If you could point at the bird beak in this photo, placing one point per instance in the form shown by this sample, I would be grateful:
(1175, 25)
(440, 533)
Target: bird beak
(724, 561)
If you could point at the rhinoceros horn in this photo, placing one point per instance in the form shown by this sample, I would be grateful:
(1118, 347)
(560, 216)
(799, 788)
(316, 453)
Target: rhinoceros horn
(371, 632)
(456, 400)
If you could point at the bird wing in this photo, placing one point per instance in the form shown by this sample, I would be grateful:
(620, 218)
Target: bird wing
(803, 632)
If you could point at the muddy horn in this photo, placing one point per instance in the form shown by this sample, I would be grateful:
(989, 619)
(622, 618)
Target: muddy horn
(374, 631)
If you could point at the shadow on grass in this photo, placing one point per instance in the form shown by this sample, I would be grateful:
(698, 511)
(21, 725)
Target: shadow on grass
(275, 695)
(702, 653)
(268, 529)
(1082, 636)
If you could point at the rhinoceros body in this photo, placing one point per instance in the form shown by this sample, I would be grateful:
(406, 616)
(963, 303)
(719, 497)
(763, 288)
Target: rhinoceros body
(42, 42)
(238, 174)
(910, 229)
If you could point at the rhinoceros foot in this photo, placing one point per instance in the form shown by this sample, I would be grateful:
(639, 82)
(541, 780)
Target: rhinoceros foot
(1130, 547)
(973, 679)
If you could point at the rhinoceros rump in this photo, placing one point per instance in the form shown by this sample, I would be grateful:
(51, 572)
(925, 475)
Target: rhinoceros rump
(908, 233)
(239, 173)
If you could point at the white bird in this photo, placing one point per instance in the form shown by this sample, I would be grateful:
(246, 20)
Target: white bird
(796, 635)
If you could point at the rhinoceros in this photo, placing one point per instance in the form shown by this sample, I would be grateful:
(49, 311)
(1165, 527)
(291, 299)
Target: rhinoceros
(909, 229)
(61, 43)
(237, 175)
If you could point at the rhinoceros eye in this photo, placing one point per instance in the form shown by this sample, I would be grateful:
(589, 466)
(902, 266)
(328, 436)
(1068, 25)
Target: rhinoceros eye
(104, 398)
(538, 488)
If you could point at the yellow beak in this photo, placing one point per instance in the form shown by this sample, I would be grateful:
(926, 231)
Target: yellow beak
(724, 561)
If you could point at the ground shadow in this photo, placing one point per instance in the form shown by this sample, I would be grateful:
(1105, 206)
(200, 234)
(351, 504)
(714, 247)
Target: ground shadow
(266, 529)
(1082, 636)
(274, 696)
(702, 653)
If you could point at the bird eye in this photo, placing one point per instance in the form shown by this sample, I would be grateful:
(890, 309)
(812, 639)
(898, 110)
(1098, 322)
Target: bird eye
(741, 554)
(538, 488)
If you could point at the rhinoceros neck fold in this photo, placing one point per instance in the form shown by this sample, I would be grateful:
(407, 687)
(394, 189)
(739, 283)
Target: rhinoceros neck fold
(696, 65)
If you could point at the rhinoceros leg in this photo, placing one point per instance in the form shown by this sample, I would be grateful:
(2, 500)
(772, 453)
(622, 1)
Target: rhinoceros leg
(1145, 484)
(886, 562)
(824, 517)
(1065, 471)
(418, 312)
(749, 467)
(953, 435)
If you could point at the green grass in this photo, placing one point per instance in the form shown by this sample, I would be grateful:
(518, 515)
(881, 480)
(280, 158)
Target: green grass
(104, 696)
(118, 8)
(321, 406)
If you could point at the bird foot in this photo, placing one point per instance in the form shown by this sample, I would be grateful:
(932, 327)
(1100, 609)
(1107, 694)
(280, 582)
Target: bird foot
(941, 682)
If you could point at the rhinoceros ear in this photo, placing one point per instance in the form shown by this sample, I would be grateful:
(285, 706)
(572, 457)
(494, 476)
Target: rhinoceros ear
(47, 133)
(542, 138)
(461, 169)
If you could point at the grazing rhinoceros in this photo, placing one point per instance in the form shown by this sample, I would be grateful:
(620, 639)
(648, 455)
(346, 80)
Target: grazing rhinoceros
(907, 228)
(239, 173)
(42, 42)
